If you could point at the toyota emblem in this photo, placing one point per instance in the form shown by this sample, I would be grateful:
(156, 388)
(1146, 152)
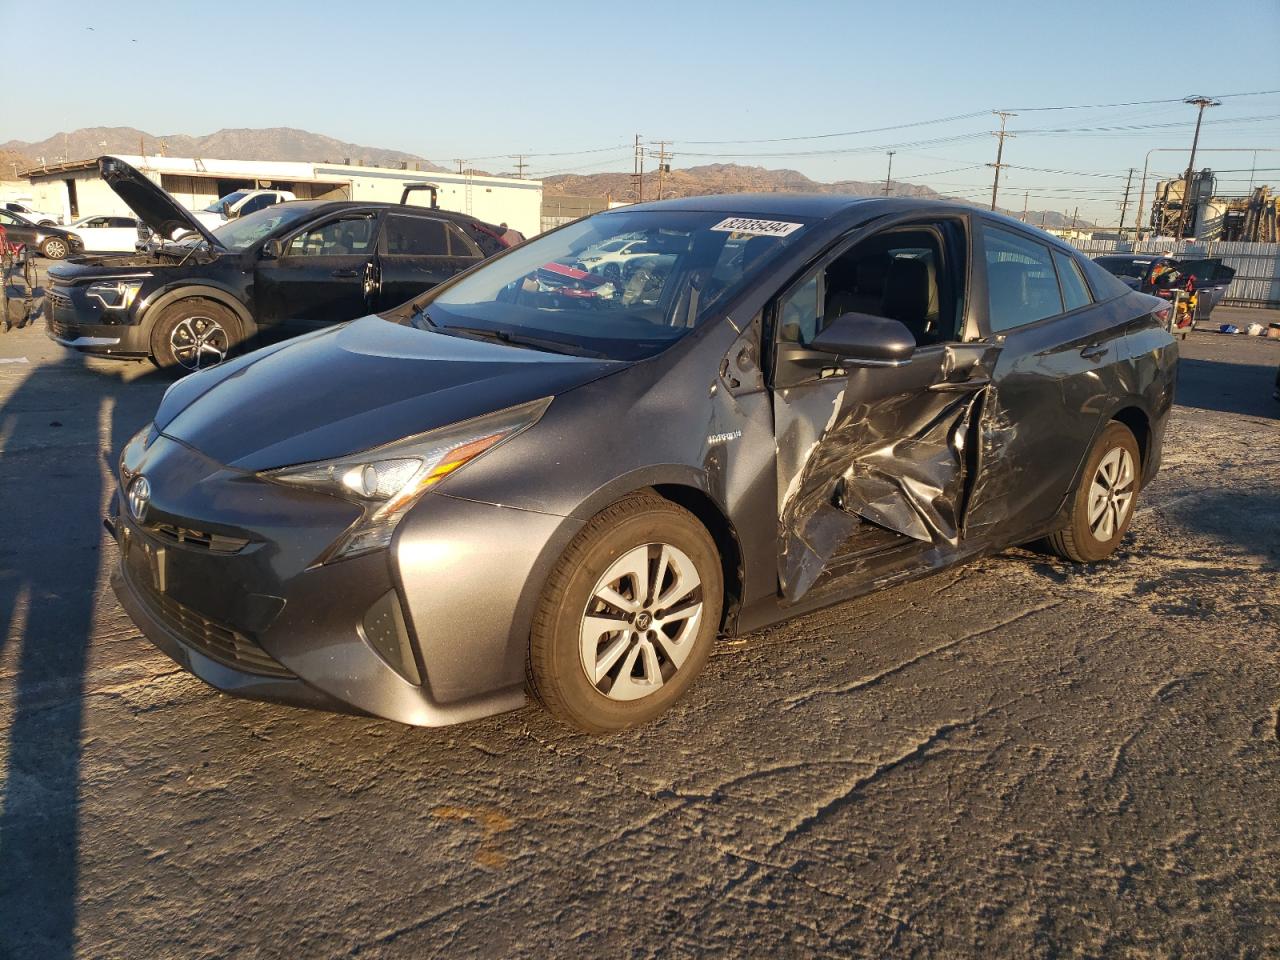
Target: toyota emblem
(139, 498)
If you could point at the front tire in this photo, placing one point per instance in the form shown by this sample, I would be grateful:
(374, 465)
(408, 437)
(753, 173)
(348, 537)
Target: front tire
(55, 248)
(1103, 503)
(628, 616)
(193, 335)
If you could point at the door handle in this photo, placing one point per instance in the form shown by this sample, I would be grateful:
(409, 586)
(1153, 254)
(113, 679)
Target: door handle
(1094, 351)
(345, 274)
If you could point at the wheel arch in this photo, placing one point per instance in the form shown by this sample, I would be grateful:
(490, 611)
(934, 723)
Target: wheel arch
(1139, 423)
(688, 487)
(157, 303)
(717, 522)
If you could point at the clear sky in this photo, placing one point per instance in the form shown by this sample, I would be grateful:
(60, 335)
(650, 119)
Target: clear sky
(486, 80)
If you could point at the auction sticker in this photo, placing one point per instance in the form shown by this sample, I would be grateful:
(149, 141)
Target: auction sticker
(757, 228)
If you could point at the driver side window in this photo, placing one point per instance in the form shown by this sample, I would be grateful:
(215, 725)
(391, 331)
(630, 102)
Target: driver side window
(348, 236)
(903, 274)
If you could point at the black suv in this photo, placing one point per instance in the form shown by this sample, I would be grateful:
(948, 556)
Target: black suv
(193, 296)
(1148, 273)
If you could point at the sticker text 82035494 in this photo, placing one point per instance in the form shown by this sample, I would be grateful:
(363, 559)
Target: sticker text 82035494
(758, 228)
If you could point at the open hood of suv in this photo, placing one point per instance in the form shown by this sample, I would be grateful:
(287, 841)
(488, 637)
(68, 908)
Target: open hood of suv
(154, 207)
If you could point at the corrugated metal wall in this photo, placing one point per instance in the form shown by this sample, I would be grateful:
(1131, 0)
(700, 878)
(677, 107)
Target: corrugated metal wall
(1257, 265)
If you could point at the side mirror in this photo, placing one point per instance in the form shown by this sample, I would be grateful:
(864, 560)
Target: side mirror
(273, 249)
(863, 338)
(226, 209)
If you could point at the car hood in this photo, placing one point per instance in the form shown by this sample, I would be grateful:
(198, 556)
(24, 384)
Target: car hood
(353, 387)
(153, 205)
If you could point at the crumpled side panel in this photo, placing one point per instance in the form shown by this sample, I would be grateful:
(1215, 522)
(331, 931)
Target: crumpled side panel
(992, 476)
(898, 459)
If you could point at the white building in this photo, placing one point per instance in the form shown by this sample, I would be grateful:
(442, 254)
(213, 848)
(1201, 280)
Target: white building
(76, 190)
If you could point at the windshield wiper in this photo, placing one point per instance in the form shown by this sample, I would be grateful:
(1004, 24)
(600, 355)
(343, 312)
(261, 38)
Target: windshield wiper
(518, 340)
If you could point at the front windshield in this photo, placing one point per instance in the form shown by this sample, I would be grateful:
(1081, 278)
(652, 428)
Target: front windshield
(244, 232)
(231, 199)
(623, 285)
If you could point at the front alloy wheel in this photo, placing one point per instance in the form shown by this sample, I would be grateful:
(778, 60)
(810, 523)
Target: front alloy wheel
(641, 621)
(628, 616)
(54, 248)
(199, 342)
(193, 334)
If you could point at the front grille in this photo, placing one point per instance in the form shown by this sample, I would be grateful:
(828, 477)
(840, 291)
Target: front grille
(58, 300)
(213, 542)
(216, 641)
(63, 330)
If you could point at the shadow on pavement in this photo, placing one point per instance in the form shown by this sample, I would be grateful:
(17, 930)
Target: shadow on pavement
(53, 428)
(1227, 387)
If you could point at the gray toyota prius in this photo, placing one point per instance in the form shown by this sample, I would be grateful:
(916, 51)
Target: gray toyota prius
(565, 472)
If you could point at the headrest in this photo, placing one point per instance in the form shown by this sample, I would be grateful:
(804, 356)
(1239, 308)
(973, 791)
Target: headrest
(906, 290)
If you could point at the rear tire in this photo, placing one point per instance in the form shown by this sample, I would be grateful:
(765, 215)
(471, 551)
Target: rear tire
(1103, 503)
(192, 335)
(664, 632)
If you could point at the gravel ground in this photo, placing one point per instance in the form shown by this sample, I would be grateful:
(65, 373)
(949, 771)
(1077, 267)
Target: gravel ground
(1018, 757)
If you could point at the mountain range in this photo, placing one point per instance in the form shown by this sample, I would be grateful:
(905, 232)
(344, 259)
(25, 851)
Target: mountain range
(289, 143)
(736, 178)
(271, 143)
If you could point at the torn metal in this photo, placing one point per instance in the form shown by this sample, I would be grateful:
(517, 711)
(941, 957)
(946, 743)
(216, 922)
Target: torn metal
(896, 452)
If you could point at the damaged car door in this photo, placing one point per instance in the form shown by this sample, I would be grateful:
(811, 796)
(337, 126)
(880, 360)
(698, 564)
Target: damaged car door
(872, 428)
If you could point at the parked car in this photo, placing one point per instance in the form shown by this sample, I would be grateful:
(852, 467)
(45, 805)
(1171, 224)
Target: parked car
(22, 209)
(504, 482)
(1151, 273)
(53, 242)
(287, 269)
(107, 234)
(609, 259)
(240, 203)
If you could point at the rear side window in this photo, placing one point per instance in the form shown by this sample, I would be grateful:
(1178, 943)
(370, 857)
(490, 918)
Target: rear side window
(1075, 292)
(416, 237)
(1022, 285)
(460, 245)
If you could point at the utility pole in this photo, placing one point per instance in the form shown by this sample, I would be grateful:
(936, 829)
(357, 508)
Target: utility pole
(520, 165)
(1200, 102)
(664, 167)
(1124, 204)
(459, 162)
(888, 176)
(637, 172)
(1075, 214)
(1026, 198)
(1004, 116)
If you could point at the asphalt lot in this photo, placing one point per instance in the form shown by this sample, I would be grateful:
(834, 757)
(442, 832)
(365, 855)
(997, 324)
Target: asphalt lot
(1018, 758)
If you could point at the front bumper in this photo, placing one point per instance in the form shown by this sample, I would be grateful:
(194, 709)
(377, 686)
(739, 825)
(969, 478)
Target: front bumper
(81, 323)
(252, 616)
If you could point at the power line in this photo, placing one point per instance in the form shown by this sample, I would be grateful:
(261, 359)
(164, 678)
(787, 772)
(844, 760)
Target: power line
(1139, 103)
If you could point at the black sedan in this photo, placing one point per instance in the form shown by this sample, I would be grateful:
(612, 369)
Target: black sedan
(50, 241)
(283, 270)
(536, 478)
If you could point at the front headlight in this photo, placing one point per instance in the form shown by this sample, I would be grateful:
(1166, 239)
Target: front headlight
(114, 294)
(388, 480)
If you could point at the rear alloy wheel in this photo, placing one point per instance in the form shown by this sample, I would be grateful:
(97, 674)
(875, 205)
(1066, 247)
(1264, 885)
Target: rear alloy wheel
(194, 335)
(628, 617)
(1102, 505)
(55, 248)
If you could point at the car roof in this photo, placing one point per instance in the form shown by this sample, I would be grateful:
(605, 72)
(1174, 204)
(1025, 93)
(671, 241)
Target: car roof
(817, 205)
(320, 207)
